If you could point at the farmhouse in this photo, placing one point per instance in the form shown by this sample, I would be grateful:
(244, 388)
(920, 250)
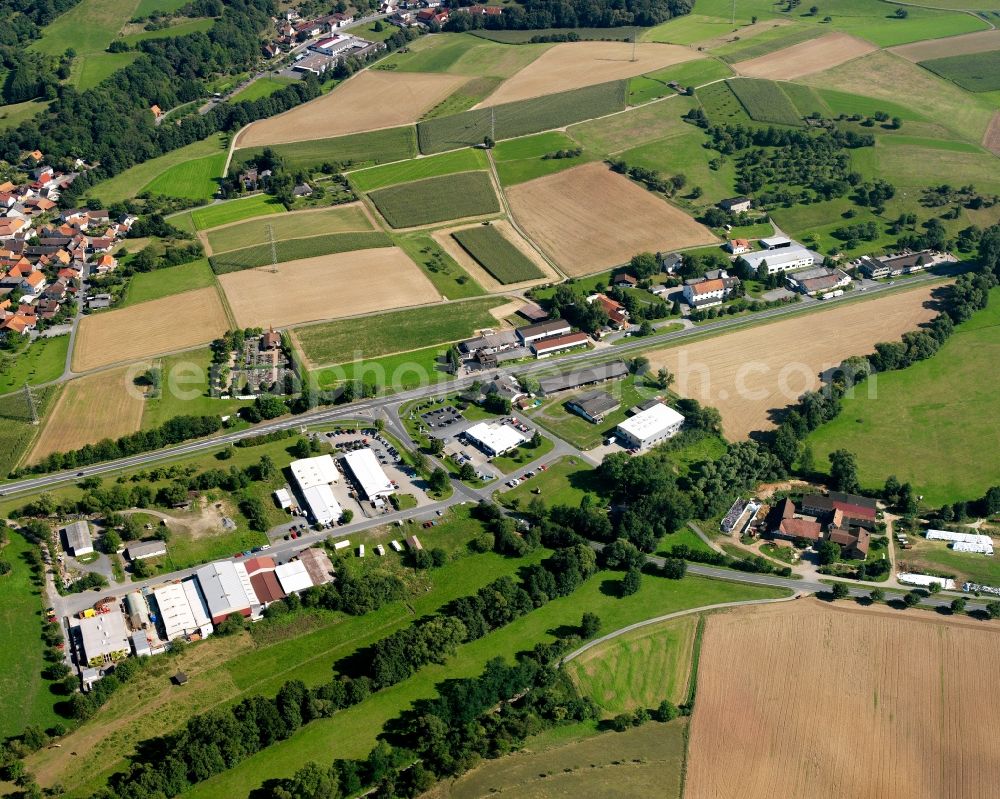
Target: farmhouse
(853, 543)
(227, 589)
(820, 279)
(650, 427)
(367, 473)
(314, 476)
(494, 439)
(550, 346)
(77, 540)
(736, 205)
(780, 259)
(594, 405)
(625, 280)
(140, 550)
(857, 510)
(617, 315)
(104, 638)
(583, 377)
(737, 246)
(555, 327)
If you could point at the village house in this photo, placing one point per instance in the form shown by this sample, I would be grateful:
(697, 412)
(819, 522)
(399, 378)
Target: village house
(617, 315)
(671, 262)
(712, 289)
(736, 205)
(737, 246)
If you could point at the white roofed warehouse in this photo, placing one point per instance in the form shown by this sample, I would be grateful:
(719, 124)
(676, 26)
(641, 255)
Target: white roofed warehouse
(104, 638)
(368, 474)
(495, 439)
(227, 589)
(314, 476)
(181, 610)
(650, 427)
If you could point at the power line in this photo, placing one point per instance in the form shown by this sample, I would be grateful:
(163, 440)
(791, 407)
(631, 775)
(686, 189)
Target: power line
(31, 403)
(269, 232)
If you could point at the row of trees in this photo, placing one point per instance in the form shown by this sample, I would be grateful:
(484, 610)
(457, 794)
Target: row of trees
(541, 14)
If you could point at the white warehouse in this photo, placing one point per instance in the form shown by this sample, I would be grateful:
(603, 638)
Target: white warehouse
(314, 476)
(368, 474)
(650, 427)
(784, 259)
(495, 439)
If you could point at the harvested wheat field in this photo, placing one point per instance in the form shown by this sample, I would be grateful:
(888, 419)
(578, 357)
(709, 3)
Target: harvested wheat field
(150, 328)
(752, 372)
(991, 139)
(327, 287)
(578, 64)
(806, 58)
(589, 218)
(480, 275)
(967, 44)
(370, 100)
(92, 408)
(805, 700)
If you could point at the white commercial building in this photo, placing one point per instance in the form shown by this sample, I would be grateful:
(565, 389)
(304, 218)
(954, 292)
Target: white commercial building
(314, 477)
(226, 587)
(181, 610)
(963, 542)
(495, 439)
(104, 638)
(293, 576)
(785, 259)
(651, 426)
(368, 474)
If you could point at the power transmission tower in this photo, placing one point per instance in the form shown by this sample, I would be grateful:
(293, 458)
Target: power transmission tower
(31, 403)
(635, 39)
(269, 232)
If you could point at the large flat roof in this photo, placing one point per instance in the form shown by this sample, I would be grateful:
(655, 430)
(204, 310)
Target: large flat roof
(227, 588)
(181, 608)
(496, 437)
(293, 576)
(581, 377)
(309, 472)
(104, 634)
(322, 504)
(368, 472)
(776, 257)
(78, 535)
(651, 421)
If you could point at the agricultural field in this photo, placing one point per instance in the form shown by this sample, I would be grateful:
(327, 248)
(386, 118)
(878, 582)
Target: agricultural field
(146, 286)
(764, 101)
(639, 669)
(522, 118)
(722, 106)
(750, 373)
(771, 35)
(373, 336)
(530, 157)
(402, 98)
(462, 54)
(431, 200)
(326, 287)
(192, 180)
(575, 65)
(509, 240)
(379, 177)
(262, 87)
(991, 139)
(359, 149)
(497, 254)
(805, 58)
(349, 218)
(688, 29)
(17, 432)
(849, 676)
(970, 43)
(43, 361)
(152, 328)
(452, 281)
(468, 95)
(939, 404)
(979, 72)
(625, 33)
(583, 237)
(225, 213)
(105, 405)
(652, 86)
(297, 250)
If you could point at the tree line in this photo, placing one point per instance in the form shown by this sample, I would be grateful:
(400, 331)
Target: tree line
(543, 14)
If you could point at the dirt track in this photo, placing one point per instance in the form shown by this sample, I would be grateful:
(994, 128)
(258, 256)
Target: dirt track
(805, 58)
(589, 218)
(327, 287)
(978, 42)
(804, 699)
(749, 373)
(578, 64)
(991, 139)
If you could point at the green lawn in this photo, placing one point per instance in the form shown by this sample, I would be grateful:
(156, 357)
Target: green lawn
(523, 455)
(43, 361)
(441, 269)
(924, 422)
(182, 28)
(262, 87)
(462, 54)
(338, 219)
(27, 698)
(357, 150)
(185, 390)
(378, 177)
(398, 372)
(235, 210)
(374, 336)
(437, 199)
(192, 180)
(564, 482)
(13, 115)
(530, 157)
(89, 70)
(496, 254)
(146, 286)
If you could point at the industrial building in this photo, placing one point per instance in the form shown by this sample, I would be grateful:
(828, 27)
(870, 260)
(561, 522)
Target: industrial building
(181, 610)
(555, 327)
(367, 473)
(784, 255)
(494, 439)
(314, 476)
(140, 550)
(227, 589)
(138, 610)
(583, 377)
(550, 346)
(104, 638)
(650, 427)
(262, 578)
(293, 576)
(77, 540)
(594, 405)
(318, 564)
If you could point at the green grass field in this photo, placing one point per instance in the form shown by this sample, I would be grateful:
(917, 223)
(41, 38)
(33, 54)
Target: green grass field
(437, 199)
(374, 336)
(379, 177)
(182, 28)
(688, 29)
(262, 87)
(462, 54)
(297, 249)
(135, 180)
(188, 372)
(806, 99)
(522, 159)
(935, 557)
(653, 85)
(13, 115)
(357, 150)
(978, 72)
(235, 210)
(43, 361)
(523, 455)
(926, 424)
(193, 180)
(565, 482)
(441, 269)
(399, 372)
(722, 105)
(27, 699)
(469, 94)
(338, 219)
(521, 118)
(764, 101)
(16, 430)
(90, 70)
(146, 286)
(768, 41)
(496, 254)
(621, 34)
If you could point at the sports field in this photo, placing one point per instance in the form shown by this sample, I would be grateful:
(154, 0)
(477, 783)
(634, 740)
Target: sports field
(350, 218)
(582, 236)
(297, 250)
(979, 42)
(235, 210)
(378, 177)
(523, 254)
(924, 421)
(430, 200)
(146, 286)
(105, 405)
(327, 287)
(369, 100)
(868, 704)
(497, 254)
(152, 328)
(578, 64)
(806, 58)
(750, 373)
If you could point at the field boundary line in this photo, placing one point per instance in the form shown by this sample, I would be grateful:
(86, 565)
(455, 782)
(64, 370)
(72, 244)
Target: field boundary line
(232, 148)
(225, 302)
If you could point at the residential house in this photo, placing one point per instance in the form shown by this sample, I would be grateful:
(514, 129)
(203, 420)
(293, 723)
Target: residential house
(737, 246)
(33, 284)
(736, 205)
(854, 543)
(156, 111)
(671, 262)
(624, 280)
(705, 292)
(617, 315)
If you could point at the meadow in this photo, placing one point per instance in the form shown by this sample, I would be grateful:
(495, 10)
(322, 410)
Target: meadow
(14, 114)
(462, 54)
(235, 210)
(399, 372)
(41, 362)
(181, 28)
(978, 72)
(925, 421)
(623, 34)
(145, 286)
(441, 269)
(567, 481)
(17, 433)
(496, 254)
(348, 218)
(379, 177)
(184, 374)
(437, 199)
(355, 150)
(764, 101)
(688, 29)
(530, 157)
(653, 85)
(262, 87)
(337, 342)
(192, 180)
(296, 250)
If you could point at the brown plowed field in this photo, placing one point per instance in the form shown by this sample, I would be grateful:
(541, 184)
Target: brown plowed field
(991, 139)
(809, 700)
(750, 373)
(589, 218)
(806, 58)
(327, 287)
(92, 408)
(371, 99)
(150, 328)
(578, 64)
(978, 42)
